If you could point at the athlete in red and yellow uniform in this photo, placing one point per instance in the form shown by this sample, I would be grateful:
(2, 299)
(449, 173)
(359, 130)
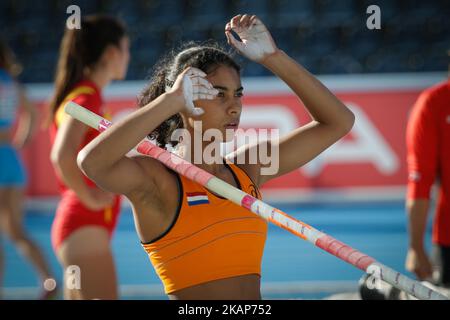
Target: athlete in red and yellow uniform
(428, 141)
(72, 213)
(90, 58)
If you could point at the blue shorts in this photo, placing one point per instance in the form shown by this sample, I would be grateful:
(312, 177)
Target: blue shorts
(12, 172)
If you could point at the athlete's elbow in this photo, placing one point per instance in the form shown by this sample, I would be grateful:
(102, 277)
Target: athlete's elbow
(342, 123)
(348, 122)
(87, 163)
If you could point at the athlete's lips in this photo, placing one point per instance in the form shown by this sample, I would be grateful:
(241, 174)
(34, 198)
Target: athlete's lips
(232, 125)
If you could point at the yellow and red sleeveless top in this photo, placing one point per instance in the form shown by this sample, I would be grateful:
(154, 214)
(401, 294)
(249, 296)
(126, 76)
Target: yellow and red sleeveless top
(211, 238)
(87, 94)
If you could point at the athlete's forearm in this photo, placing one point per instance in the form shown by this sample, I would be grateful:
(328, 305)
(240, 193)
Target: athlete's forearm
(25, 129)
(27, 121)
(417, 221)
(67, 169)
(112, 145)
(323, 106)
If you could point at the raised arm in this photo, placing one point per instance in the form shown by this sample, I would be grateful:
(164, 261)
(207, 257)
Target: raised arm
(104, 159)
(331, 119)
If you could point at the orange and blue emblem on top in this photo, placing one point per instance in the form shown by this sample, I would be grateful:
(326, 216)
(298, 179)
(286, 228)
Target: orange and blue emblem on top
(196, 198)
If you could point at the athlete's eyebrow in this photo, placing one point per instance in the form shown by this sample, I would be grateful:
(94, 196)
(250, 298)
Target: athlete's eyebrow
(226, 89)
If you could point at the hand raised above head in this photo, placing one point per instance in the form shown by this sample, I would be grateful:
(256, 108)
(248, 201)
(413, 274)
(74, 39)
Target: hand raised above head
(257, 43)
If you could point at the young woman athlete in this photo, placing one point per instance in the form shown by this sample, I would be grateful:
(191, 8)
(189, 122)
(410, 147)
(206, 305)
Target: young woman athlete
(90, 58)
(12, 172)
(201, 245)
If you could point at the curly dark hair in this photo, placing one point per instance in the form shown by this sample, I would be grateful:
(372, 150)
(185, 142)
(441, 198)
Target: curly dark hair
(206, 57)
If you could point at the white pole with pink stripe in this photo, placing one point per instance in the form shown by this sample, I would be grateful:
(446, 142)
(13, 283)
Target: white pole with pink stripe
(264, 210)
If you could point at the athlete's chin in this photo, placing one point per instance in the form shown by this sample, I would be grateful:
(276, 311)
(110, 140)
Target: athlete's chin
(229, 133)
(121, 75)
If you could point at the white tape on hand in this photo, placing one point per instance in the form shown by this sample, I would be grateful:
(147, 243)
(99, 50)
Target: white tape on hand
(257, 43)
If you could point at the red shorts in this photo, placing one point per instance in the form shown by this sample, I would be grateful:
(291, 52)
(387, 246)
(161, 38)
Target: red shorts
(71, 214)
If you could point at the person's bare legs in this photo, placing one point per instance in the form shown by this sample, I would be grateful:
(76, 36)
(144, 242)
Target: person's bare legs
(1, 266)
(89, 249)
(11, 223)
(2, 261)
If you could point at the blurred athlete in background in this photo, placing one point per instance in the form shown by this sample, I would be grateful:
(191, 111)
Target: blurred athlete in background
(90, 58)
(12, 173)
(428, 143)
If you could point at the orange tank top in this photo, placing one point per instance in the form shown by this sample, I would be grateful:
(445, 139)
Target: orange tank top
(210, 239)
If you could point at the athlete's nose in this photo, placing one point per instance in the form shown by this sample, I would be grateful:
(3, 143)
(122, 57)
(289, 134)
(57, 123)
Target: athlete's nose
(235, 107)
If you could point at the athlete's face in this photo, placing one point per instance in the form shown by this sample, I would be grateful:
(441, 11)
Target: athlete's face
(119, 59)
(223, 112)
(124, 57)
